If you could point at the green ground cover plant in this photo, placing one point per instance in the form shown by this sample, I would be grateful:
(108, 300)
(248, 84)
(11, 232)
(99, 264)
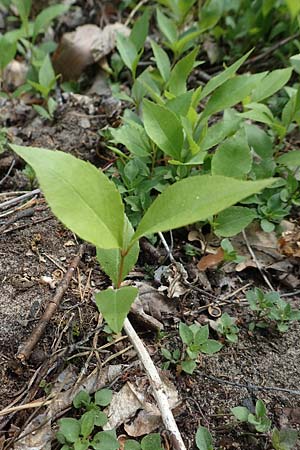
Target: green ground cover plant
(152, 155)
(196, 340)
(271, 310)
(25, 40)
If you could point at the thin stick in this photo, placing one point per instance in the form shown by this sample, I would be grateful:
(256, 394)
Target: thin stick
(165, 244)
(134, 11)
(257, 262)
(157, 386)
(8, 172)
(15, 201)
(25, 350)
(250, 386)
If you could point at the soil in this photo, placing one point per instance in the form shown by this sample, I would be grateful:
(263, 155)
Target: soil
(36, 246)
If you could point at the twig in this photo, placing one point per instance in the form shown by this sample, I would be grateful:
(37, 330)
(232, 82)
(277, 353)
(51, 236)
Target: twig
(15, 201)
(26, 349)
(257, 262)
(272, 49)
(165, 244)
(134, 11)
(8, 172)
(249, 386)
(157, 385)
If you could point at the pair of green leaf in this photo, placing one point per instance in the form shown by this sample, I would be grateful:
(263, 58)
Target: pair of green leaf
(88, 203)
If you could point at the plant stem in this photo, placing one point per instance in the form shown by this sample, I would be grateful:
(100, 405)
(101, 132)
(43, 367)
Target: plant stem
(120, 278)
(157, 386)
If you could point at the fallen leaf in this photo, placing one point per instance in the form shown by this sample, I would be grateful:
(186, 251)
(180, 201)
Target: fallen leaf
(83, 47)
(211, 261)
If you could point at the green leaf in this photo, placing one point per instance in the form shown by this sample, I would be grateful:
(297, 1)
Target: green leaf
(231, 92)
(211, 346)
(151, 442)
(240, 413)
(284, 439)
(157, 120)
(180, 105)
(210, 14)
(162, 61)
(233, 157)
(290, 159)
(220, 79)
(188, 366)
(110, 259)
(201, 335)
(295, 61)
(130, 444)
(24, 8)
(180, 73)
(233, 220)
(105, 440)
(140, 30)
(219, 131)
(133, 136)
(46, 73)
(7, 51)
(100, 418)
(185, 333)
(128, 51)
(260, 409)
(87, 423)
(81, 444)
(44, 18)
(81, 399)
(70, 428)
(259, 140)
(80, 195)
(166, 26)
(204, 439)
(114, 304)
(42, 111)
(294, 7)
(193, 199)
(272, 83)
(103, 397)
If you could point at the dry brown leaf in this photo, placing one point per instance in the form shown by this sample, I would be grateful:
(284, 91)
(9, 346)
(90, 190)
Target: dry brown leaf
(211, 261)
(84, 46)
(37, 435)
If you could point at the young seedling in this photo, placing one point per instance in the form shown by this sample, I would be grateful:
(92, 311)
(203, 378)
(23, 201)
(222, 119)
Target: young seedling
(227, 328)
(259, 420)
(195, 338)
(81, 433)
(270, 309)
(284, 439)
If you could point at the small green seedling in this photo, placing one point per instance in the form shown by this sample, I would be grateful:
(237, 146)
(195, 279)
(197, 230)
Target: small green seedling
(259, 420)
(284, 439)
(82, 433)
(227, 328)
(229, 252)
(270, 309)
(87, 202)
(195, 338)
(171, 357)
(150, 442)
